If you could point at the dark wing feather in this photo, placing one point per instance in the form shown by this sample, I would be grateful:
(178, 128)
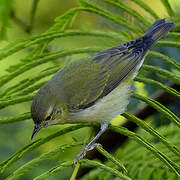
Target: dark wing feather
(119, 62)
(120, 65)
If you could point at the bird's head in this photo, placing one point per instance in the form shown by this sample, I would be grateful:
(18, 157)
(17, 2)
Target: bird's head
(45, 110)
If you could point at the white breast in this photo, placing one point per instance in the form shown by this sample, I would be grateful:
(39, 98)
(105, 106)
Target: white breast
(107, 108)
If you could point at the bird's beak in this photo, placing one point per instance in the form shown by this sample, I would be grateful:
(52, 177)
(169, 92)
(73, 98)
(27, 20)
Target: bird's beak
(36, 130)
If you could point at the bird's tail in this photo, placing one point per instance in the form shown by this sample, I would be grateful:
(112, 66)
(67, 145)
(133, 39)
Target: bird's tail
(158, 29)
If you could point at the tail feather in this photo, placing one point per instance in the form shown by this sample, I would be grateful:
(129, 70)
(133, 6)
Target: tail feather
(158, 29)
(155, 24)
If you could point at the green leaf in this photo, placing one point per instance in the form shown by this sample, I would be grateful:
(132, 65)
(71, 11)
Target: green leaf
(111, 158)
(104, 167)
(58, 27)
(16, 118)
(119, 20)
(167, 59)
(168, 7)
(17, 100)
(32, 14)
(26, 83)
(19, 154)
(158, 85)
(130, 11)
(54, 170)
(168, 43)
(174, 35)
(165, 73)
(172, 165)
(152, 131)
(34, 162)
(159, 107)
(146, 8)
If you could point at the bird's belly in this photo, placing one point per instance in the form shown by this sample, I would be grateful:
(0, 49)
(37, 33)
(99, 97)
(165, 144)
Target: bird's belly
(107, 108)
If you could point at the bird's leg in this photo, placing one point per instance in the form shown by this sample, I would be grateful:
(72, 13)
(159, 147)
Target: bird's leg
(91, 144)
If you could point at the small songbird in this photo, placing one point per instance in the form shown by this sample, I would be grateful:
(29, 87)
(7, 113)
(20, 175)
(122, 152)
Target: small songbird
(95, 89)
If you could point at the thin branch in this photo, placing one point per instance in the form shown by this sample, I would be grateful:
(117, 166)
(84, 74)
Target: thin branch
(74, 174)
(111, 158)
(32, 17)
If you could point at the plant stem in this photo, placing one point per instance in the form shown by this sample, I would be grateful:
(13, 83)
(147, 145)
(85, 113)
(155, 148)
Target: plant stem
(74, 174)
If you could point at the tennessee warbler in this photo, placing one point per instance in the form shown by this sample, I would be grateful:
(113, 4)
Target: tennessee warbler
(95, 89)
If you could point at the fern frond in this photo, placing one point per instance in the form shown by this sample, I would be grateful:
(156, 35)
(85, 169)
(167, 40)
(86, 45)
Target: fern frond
(152, 131)
(34, 162)
(172, 165)
(159, 107)
(111, 158)
(116, 19)
(59, 26)
(106, 168)
(19, 154)
(17, 100)
(129, 10)
(167, 59)
(139, 162)
(146, 8)
(174, 35)
(158, 85)
(23, 84)
(168, 7)
(169, 43)
(54, 170)
(16, 118)
(165, 73)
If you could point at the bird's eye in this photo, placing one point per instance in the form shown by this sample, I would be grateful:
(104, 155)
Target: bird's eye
(48, 118)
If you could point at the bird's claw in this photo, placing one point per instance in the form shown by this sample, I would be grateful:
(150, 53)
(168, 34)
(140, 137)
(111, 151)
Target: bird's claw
(93, 146)
(83, 153)
(80, 156)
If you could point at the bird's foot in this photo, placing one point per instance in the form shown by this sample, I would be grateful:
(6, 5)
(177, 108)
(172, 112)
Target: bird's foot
(83, 153)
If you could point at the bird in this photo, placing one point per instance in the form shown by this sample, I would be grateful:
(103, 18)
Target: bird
(94, 89)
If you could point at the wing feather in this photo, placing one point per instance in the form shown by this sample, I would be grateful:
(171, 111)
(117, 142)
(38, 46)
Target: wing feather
(95, 77)
(81, 82)
(119, 65)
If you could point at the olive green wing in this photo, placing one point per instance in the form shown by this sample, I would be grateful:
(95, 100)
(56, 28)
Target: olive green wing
(81, 82)
(85, 81)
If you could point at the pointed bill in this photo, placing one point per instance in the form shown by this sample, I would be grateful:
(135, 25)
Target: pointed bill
(36, 130)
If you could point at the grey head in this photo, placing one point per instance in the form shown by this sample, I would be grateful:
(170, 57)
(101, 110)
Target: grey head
(44, 109)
